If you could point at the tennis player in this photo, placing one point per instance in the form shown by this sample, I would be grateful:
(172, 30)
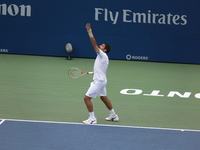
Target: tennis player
(98, 86)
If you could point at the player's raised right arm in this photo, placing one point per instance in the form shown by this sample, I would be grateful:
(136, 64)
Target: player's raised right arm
(92, 39)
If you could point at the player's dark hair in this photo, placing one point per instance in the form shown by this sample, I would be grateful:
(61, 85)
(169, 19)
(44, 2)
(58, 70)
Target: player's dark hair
(107, 47)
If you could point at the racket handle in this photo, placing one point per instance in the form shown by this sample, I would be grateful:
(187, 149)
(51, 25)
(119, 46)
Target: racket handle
(90, 72)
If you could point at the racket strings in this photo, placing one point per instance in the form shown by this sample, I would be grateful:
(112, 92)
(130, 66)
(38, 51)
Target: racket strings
(75, 73)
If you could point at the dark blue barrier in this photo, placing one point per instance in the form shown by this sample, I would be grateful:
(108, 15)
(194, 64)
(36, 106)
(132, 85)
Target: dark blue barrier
(144, 30)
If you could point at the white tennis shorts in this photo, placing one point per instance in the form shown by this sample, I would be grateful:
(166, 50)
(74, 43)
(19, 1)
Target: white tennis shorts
(97, 88)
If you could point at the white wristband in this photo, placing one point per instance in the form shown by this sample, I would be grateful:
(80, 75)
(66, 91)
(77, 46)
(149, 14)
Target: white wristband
(90, 33)
(90, 72)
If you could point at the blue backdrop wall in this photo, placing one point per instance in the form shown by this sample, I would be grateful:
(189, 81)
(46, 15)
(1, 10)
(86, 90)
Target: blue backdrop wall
(144, 30)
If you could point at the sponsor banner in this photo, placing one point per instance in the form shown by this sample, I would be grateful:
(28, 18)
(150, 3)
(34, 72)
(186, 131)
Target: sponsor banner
(145, 30)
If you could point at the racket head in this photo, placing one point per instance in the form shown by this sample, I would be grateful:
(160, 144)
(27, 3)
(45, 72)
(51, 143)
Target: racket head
(75, 73)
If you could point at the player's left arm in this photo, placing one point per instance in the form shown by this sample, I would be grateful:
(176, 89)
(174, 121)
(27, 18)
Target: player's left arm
(92, 39)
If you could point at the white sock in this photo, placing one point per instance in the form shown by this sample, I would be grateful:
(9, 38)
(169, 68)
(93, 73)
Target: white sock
(112, 111)
(92, 116)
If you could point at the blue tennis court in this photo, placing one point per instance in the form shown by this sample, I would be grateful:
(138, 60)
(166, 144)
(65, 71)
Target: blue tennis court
(35, 135)
(31, 91)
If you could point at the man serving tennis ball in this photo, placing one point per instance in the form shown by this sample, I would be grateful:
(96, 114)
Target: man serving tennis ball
(98, 86)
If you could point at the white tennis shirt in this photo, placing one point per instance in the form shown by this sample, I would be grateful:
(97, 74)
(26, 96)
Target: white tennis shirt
(100, 66)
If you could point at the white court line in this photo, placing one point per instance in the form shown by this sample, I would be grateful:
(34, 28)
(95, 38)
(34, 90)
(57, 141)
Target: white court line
(2, 121)
(103, 125)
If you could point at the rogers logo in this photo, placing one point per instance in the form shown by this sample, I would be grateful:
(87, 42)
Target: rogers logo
(2, 50)
(130, 57)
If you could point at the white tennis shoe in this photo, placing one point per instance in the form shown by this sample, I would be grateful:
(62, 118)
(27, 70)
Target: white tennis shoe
(90, 121)
(112, 117)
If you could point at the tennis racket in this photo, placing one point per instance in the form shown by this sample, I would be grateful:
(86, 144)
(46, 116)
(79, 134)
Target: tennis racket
(76, 73)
